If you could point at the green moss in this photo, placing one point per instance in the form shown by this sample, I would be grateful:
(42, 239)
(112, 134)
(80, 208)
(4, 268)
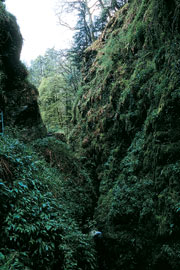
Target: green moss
(128, 116)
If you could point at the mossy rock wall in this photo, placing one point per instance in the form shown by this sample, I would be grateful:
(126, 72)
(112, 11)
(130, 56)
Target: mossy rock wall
(127, 128)
(18, 98)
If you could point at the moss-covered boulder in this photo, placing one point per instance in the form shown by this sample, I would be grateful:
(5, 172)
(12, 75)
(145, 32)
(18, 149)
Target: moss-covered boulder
(18, 98)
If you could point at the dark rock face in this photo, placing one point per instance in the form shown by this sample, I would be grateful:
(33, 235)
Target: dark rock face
(18, 98)
(128, 131)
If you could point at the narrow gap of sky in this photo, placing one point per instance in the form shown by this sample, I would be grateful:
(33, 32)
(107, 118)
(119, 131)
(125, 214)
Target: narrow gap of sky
(38, 26)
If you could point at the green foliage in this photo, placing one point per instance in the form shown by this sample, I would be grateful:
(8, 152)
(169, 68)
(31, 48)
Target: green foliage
(127, 135)
(75, 186)
(52, 102)
(38, 230)
(127, 125)
(44, 66)
(57, 80)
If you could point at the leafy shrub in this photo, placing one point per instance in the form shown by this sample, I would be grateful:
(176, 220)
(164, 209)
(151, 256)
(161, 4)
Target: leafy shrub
(38, 230)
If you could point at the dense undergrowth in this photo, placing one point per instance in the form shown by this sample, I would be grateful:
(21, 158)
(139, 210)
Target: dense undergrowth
(77, 188)
(41, 226)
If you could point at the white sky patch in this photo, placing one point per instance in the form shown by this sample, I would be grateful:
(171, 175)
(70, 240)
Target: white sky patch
(38, 25)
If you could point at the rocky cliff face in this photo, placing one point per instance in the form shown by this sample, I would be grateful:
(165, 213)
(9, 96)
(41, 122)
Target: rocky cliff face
(18, 98)
(128, 130)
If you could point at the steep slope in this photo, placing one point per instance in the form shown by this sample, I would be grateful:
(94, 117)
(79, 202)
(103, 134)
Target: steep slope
(127, 128)
(18, 98)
